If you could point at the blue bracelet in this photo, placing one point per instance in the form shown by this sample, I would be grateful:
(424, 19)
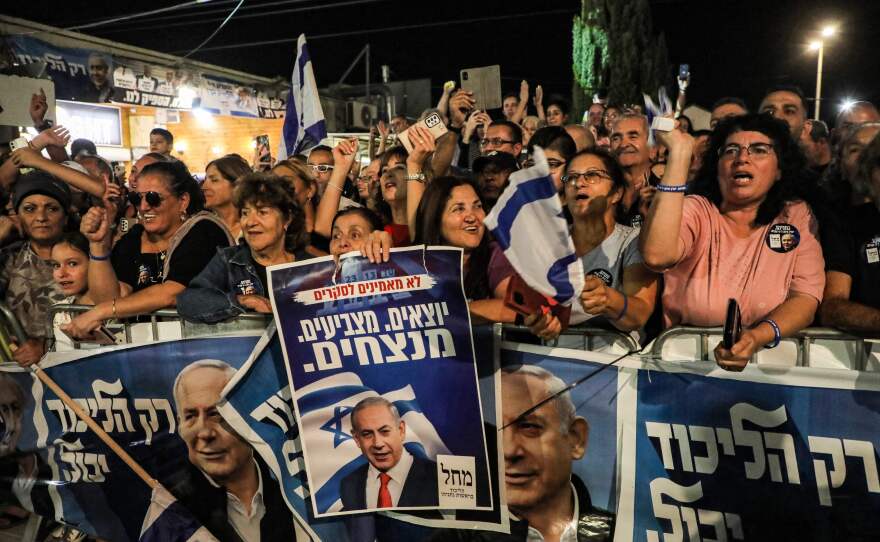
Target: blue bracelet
(625, 305)
(777, 334)
(671, 188)
(99, 258)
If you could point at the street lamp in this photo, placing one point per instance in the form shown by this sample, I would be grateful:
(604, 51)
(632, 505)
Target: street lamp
(819, 45)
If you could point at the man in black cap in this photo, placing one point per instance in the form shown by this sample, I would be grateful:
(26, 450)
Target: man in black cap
(82, 145)
(492, 171)
(42, 203)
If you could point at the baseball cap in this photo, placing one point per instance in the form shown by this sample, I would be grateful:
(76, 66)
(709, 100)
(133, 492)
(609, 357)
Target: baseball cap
(40, 182)
(502, 160)
(80, 145)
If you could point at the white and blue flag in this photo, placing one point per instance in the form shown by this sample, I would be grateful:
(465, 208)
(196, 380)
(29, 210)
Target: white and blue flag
(527, 222)
(304, 120)
(168, 521)
(325, 408)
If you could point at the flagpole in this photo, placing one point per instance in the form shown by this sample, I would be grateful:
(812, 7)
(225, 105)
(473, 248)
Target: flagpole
(93, 425)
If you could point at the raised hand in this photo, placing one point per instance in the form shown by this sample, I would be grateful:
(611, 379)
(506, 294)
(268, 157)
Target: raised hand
(459, 106)
(38, 108)
(26, 157)
(95, 225)
(58, 135)
(524, 91)
(422, 141)
(539, 96)
(344, 153)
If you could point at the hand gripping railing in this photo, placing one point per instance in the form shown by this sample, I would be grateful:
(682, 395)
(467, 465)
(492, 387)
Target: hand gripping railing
(10, 328)
(244, 322)
(804, 339)
(587, 333)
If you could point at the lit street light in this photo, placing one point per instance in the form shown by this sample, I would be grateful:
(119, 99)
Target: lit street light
(819, 45)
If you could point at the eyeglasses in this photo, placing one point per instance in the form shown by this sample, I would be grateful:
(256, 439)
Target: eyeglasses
(755, 150)
(321, 168)
(591, 176)
(496, 141)
(154, 199)
(554, 164)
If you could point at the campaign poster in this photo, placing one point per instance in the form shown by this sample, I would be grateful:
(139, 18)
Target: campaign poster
(227, 98)
(139, 83)
(381, 362)
(766, 454)
(157, 401)
(79, 74)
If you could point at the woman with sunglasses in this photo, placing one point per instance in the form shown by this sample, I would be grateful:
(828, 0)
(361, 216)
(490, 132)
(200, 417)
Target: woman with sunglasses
(742, 234)
(619, 291)
(173, 241)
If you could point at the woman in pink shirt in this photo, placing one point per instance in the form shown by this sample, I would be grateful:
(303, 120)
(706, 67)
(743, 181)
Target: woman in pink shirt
(742, 233)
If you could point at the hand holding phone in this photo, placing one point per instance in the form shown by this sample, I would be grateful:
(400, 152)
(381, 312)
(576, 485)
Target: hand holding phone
(732, 325)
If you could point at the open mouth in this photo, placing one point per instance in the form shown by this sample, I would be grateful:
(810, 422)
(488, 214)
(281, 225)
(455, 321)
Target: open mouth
(147, 217)
(582, 197)
(742, 177)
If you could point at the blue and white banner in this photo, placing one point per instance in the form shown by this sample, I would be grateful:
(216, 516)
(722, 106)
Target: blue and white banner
(528, 224)
(304, 120)
(386, 347)
(64, 471)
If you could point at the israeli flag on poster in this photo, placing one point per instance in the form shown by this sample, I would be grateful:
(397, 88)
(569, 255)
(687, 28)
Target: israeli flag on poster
(168, 521)
(527, 222)
(304, 120)
(325, 407)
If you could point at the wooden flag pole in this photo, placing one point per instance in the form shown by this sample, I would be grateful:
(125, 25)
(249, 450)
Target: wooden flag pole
(93, 425)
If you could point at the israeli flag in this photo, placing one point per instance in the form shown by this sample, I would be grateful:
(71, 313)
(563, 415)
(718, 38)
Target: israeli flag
(324, 408)
(527, 222)
(168, 521)
(304, 120)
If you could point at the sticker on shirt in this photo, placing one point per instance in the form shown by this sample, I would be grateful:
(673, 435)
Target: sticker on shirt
(603, 274)
(872, 250)
(636, 221)
(783, 238)
(145, 275)
(246, 287)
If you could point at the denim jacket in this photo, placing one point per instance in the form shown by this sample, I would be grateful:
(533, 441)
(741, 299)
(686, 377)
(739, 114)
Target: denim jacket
(212, 296)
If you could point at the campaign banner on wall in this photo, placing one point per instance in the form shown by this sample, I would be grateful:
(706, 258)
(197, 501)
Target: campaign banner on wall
(787, 454)
(79, 74)
(381, 363)
(138, 83)
(60, 468)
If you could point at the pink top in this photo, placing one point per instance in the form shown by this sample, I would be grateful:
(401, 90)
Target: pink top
(759, 271)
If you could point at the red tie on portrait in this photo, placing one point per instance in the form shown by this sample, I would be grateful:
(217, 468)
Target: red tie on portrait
(384, 494)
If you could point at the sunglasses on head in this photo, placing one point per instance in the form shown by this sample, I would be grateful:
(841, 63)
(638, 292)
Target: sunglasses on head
(154, 199)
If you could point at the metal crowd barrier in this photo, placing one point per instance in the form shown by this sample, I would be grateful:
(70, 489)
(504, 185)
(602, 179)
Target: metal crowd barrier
(166, 324)
(588, 335)
(804, 341)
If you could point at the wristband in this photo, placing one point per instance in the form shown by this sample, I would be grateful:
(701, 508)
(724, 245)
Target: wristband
(97, 258)
(334, 186)
(671, 188)
(419, 177)
(114, 308)
(777, 334)
(625, 306)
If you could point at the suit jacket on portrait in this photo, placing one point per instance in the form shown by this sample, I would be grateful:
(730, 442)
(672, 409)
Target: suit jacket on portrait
(420, 488)
(208, 504)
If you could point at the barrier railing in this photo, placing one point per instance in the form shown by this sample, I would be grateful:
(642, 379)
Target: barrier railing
(10, 328)
(804, 340)
(589, 335)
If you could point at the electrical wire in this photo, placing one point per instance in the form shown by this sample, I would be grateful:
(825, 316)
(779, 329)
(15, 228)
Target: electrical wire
(219, 28)
(386, 29)
(137, 15)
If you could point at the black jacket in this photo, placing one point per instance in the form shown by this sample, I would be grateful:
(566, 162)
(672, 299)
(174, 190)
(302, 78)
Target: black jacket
(420, 488)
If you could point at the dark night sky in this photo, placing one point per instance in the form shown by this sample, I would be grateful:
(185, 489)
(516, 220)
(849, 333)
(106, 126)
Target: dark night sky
(733, 47)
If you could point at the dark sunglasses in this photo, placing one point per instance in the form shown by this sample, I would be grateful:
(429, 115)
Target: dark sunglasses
(154, 199)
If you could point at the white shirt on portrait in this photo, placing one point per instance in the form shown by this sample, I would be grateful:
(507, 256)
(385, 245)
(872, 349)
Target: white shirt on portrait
(398, 474)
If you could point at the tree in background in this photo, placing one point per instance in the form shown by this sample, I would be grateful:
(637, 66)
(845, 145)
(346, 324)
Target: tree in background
(616, 53)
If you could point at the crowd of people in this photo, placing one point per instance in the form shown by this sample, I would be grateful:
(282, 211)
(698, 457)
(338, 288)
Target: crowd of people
(767, 207)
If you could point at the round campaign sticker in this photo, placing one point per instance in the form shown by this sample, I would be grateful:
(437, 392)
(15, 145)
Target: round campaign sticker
(604, 275)
(636, 221)
(783, 238)
(872, 250)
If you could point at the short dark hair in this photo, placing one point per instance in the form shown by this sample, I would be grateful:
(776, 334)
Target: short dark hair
(321, 148)
(373, 219)
(166, 135)
(512, 127)
(559, 102)
(730, 100)
(231, 167)
(784, 87)
(510, 94)
(75, 239)
(618, 179)
(270, 190)
(791, 160)
(397, 151)
(554, 138)
(180, 181)
(818, 131)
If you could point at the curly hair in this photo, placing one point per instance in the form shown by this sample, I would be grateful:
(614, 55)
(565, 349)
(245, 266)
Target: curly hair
(266, 189)
(791, 160)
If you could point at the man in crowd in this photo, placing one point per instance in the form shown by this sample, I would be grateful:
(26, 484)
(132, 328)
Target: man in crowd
(857, 113)
(321, 161)
(100, 88)
(227, 487)
(504, 136)
(399, 123)
(817, 146)
(392, 476)
(492, 172)
(629, 143)
(583, 138)
(539, 448)
(786, 102)
(727, 107)
(161, 141)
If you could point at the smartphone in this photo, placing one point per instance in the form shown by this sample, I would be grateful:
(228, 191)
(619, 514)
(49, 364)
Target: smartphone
(101, 336)
(684, 71)
(485, 84)
(521, 298)
(263, 150)
(20, 143)
(432, 122)
(732, 324)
